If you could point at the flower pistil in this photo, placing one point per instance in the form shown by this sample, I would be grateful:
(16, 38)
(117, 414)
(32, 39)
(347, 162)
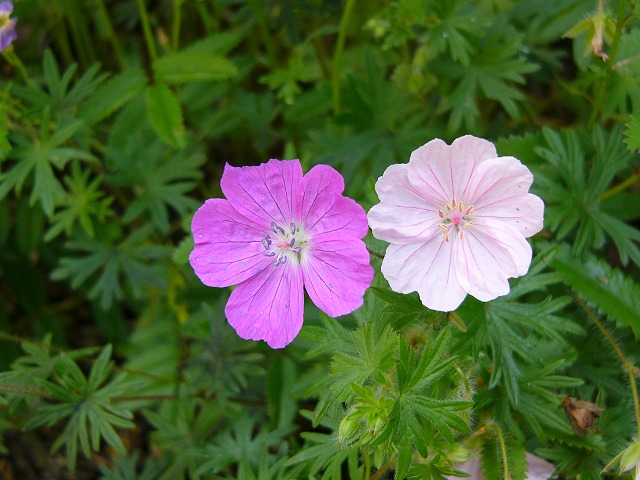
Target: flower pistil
(285, 243)
(455, 215)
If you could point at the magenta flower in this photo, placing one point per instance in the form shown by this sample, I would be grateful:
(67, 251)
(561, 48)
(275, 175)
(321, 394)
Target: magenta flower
(456, 217)
(7, 25)
(277, 232)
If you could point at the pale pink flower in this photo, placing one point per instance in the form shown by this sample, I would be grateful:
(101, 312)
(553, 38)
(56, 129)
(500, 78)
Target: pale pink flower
(456, 217)
(276, 232)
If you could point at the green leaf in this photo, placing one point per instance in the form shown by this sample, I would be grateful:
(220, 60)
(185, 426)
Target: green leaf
(111, 96)
(609, 289)
(190, 66)
(165, 114)
(632, 133)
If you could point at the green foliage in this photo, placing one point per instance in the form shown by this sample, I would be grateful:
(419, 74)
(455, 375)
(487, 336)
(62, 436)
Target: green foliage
(116, 121)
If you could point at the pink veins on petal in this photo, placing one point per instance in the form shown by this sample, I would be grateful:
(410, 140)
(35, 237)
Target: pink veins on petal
(277, 232)
(456, 217)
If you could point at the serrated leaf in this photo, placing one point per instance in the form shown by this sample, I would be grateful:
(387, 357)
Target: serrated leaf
(192, 66)
(165, 113)
(112, 95)
(632, 133)
(603, 286)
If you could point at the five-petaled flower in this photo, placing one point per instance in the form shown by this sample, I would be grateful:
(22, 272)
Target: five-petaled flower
(456, 217)
(7, 25)
(277, 232)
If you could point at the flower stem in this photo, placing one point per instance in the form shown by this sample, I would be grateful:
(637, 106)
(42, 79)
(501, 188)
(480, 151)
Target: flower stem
(634, 392)
(146, 27)
(113, 38)
(383, 468)
(175, 27)
(600, 88)
(631, 369)
(337, 55)
(263, 24)
(15, 61)
(24, 390)
(619, 187)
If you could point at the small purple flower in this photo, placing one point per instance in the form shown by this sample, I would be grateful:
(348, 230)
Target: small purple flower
(277, 232)
(7, 25)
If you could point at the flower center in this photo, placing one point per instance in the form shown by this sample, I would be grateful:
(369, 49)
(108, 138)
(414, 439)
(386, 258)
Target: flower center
(286, 243)
(455, 216)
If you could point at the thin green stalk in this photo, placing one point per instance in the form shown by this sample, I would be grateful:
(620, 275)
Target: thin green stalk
(146, 27)
(205, 16)
(263, 25)
(619, 187)
(338, 53)
(382, 470)
(110, 31)
(15, 61)
(603, 330)
(613, 51)
(631, 369)
(25, 390)
(503, 449)
(367, 465)
(175, 27)
(634, 392)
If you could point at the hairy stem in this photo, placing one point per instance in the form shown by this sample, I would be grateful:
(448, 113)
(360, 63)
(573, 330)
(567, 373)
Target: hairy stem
(383, 468)
(631, 369)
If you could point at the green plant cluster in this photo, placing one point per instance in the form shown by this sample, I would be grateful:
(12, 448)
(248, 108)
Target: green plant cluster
(116, 120)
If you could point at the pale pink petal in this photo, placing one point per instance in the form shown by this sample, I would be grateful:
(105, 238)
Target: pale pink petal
(525, 213)
(265, 193)
(324, 209)
(443, 171)
(403, 215)
(346, 217)
(268, 306)
(337, 273)
(487, 256)
(428, 268)
(228, 247)
(500, 235)
(498, 181)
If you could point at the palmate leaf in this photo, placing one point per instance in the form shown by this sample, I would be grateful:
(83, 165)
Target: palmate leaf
(87, 403)
(580, 168)
(39, 159)
(59, 96)
(85, 203)
(162, 176)
(107, 264)
(494, 72)
(599, 284)
(385, 123)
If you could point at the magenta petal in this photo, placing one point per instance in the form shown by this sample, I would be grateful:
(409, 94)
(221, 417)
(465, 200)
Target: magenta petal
(337, 273)
(265, 193)
(345, 216)
(268, 306)
(228, 247)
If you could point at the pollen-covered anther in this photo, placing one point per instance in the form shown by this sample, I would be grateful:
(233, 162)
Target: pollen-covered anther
(287, 243)
(455, 215)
